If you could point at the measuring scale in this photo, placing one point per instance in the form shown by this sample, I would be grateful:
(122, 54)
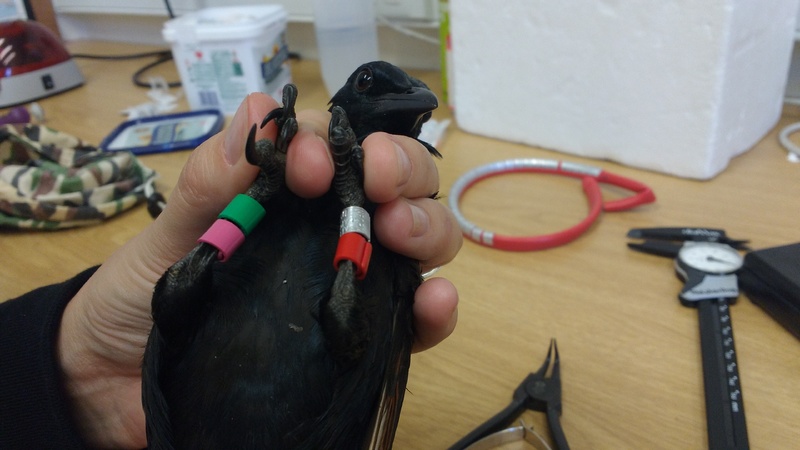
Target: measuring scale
(708, 271)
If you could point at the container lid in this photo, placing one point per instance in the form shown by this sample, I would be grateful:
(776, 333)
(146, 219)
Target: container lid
(223, 23)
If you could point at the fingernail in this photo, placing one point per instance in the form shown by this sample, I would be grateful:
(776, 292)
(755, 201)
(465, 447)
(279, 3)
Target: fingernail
(453, 320)
(420, 221)
(236, 135)
(404, 165)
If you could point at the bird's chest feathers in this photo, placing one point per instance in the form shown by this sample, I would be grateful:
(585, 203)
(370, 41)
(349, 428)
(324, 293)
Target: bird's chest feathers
(282, 272)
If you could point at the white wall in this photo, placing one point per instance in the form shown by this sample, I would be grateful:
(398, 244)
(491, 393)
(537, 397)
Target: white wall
(142, 21)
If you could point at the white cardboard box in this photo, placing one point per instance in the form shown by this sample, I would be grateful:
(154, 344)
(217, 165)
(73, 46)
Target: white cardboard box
(675, 86)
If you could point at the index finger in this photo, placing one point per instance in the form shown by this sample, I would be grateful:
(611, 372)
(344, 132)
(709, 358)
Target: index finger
(397, 166)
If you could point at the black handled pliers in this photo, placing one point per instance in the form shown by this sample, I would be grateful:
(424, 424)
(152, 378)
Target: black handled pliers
(661, 241)
(537, 392)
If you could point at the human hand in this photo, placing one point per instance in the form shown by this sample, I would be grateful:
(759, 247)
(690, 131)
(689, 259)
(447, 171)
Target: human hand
(105, 327)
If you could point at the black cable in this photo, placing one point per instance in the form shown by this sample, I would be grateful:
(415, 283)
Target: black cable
(162, 56)
(158, 53)
(136, 75)
(169, 9)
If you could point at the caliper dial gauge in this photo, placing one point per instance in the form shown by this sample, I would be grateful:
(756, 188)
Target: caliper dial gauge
(709, 273)
(710, 257)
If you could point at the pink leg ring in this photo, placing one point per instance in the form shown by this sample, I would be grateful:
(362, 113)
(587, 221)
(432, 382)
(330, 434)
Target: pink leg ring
(224, 236)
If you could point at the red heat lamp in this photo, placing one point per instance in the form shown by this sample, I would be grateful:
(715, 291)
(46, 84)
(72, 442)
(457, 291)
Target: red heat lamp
(34, 63)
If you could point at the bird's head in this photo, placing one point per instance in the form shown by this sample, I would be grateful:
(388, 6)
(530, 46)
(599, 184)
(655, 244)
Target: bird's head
(379, 96)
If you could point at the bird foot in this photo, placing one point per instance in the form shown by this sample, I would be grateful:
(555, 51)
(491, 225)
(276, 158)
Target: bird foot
(285, 118)
(348, 158)
(270, 156)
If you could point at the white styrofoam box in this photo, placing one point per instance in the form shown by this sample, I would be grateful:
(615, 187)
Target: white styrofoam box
(675, 86)
(793, 84)
(225, 53)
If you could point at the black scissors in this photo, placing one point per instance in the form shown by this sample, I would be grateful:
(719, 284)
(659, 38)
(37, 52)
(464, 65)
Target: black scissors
(537, 392)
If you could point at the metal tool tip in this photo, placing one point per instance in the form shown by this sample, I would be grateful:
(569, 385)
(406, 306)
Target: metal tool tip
(635, 233)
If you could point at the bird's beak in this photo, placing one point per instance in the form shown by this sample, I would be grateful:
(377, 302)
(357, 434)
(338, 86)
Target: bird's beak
(416, 101)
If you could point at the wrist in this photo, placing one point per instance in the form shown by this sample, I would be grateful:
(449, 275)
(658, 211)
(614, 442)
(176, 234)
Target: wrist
(104, 402)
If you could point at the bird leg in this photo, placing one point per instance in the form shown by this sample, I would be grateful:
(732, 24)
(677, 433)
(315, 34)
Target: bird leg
(343, 317)
(188, 282)
(180, 288)
(348, 159)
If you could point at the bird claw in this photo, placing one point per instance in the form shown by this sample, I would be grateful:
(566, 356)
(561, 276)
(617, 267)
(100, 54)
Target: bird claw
(253, 156)
(340, 133)
(285, 118)
(270, 156)
(287, 111)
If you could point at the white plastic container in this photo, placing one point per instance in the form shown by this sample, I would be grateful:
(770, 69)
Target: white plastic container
(225, 53)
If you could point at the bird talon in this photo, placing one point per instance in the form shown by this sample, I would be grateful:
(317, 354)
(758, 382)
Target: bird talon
(250, 147)
(276, 115)
(286, 134)
(289, 99)
(339, 118)
(285, 118)
(341, 137)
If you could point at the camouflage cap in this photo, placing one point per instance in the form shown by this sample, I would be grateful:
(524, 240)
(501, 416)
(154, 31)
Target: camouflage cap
(50, 179)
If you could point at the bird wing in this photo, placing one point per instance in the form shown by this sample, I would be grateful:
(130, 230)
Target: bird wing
(387, 415)
(393, 388)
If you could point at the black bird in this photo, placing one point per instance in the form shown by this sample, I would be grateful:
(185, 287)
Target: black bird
(377, 97)
(275, 348)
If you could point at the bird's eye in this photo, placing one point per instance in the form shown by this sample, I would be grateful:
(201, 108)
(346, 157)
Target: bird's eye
(363, 80)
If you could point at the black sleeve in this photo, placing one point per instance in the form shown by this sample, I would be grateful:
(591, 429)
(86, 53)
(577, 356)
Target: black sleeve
(34, 410)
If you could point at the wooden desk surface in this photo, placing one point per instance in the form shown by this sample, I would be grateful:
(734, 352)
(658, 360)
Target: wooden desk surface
(630, 353)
